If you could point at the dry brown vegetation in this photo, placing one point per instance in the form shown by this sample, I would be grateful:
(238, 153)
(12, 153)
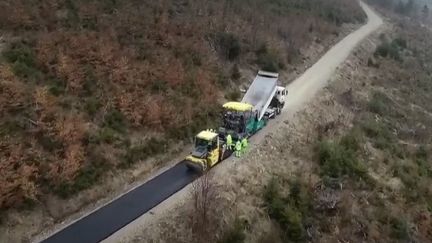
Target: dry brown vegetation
(82, 77)
(204, 220)
(373, 156)
(355, 165)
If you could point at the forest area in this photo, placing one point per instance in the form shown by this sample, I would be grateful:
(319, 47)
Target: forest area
(419, 10)
(355, 165)
(93, 86)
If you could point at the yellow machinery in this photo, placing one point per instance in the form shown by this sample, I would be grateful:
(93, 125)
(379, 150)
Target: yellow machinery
(238, 106)
(209, 149)
(240, 120)
(263, 100)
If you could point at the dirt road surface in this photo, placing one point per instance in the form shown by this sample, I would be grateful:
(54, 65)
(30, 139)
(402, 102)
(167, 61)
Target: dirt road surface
(315, 78)
(301, 91)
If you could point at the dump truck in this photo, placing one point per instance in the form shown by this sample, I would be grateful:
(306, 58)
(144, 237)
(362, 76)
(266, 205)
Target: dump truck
(265, 95)
(263, 100)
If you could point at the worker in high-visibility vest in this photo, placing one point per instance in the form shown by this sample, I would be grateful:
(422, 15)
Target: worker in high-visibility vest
(244, 144)
(229, 142)
(238, 148)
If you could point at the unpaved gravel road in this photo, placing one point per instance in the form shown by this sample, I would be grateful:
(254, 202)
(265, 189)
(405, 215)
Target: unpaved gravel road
(315, 78)
(301, 91)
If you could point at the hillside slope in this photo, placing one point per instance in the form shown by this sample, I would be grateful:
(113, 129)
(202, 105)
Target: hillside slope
(353, 166)
(90, 87)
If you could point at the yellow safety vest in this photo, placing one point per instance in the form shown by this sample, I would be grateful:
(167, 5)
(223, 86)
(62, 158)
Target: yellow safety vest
(244, 142)
(238, 145)
(229, 139)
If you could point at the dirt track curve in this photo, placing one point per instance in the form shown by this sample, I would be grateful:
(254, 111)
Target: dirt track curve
(116, 219)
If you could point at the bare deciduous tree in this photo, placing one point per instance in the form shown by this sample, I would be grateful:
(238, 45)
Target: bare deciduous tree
(204, 222)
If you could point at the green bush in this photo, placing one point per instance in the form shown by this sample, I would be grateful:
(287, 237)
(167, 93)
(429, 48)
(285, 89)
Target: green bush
(407, 174)
(391, 50)
(22, 58)
(20, 52)
(382, 50)
(273, 199)
(209, 117)
(158, 86)
(189, 56)
(235, 73)
(372, 63)
(422, 153)
(72, 19)
(89, 23)
(268, 63)
(337, 160)
(49, 143)
(23, 71)
(300, 197)
(184, 132)
(229, 45)
(374, 129)
(63, 190)
(110, 5)
(424, 169)
(352, 140)
(233, 95)
(192, 58)
(268, 59)
(379, 132)
(235, 234)
(87, 177)
(156, 146)
(399, 229)
(114, 119)
(92, 105)
(289, 212)
(57, 87)
(27, 204)
(379, 103)
(12, 127)
(90, 82)
(140, 152)
(402, 43)
(293, 225)
(105, 135)
(222, 79)
(190, 87)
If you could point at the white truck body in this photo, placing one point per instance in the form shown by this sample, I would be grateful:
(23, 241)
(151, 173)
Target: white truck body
(262, 91)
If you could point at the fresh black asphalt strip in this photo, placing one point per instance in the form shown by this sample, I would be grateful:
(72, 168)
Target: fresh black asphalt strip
(105, 221)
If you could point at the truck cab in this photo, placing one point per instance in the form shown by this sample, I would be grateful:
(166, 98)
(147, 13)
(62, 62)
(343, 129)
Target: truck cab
(277, 103)
(281, 94)
(207, 152)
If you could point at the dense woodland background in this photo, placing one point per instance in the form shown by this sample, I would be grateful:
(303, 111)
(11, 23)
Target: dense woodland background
(96, 85)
